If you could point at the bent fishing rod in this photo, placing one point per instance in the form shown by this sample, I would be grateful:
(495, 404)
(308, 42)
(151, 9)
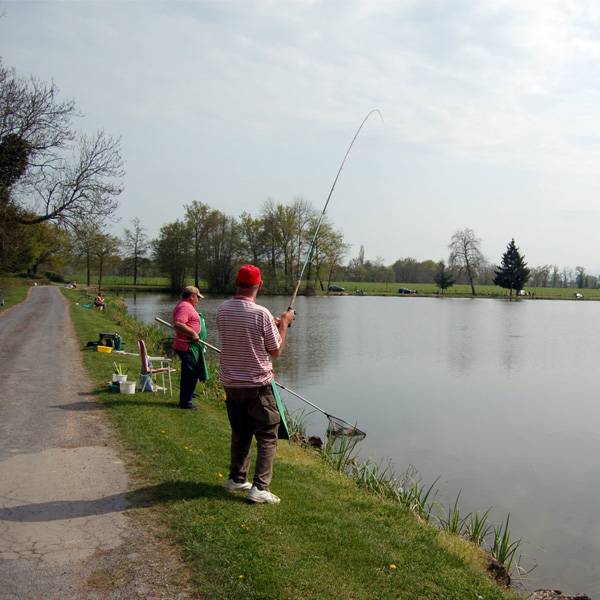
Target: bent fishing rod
(349, 429)
(314, 238)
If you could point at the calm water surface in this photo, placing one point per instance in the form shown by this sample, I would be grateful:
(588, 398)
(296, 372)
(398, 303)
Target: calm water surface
(498, 399)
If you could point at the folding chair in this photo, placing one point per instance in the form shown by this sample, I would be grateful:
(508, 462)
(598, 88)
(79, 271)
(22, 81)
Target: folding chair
(148, 371)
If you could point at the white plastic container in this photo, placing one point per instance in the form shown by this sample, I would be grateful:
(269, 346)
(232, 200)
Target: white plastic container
(119, 378)
(127, 387)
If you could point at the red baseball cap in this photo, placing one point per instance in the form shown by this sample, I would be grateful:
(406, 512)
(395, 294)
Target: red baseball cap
(248, 275)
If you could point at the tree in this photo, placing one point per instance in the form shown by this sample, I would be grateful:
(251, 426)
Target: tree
(252, 238)
(136, 244)
(223, 243)
(444, 278)
(196, 218)
(465, 254)
(104, 246)
(555, 279)
(581, 277)
(540, 276)
(171, 251)
(43, 177)
(84, 236)
(513, 273)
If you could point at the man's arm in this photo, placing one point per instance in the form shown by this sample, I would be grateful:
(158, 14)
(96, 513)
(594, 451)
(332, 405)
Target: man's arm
(186, 330)
(283, 323)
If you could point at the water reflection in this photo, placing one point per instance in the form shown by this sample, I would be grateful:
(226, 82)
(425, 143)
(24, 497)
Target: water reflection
(499, 399)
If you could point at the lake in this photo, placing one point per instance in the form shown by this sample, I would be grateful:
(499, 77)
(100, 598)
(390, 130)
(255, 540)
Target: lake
(497, 399)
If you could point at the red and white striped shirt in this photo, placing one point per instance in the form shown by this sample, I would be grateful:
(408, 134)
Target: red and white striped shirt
(247, 333)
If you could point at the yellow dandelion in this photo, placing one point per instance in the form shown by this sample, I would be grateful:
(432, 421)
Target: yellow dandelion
(393, 567)
(241, 577)
(220, 475)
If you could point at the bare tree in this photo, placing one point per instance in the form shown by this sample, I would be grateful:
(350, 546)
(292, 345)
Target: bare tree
(136, 243)
(44, 174)
(465, 254)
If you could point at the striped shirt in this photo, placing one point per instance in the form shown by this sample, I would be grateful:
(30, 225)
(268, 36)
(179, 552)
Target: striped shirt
(248, 333)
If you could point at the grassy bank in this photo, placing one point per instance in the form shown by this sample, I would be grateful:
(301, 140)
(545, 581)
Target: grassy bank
(13, 290)
(327, 539)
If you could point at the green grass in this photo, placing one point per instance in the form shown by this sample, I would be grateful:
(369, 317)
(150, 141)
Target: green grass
(462, 290)
(327, 539)
(14, 290)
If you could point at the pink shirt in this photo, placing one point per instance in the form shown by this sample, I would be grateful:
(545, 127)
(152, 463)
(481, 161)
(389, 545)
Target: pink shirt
(185, 313)
(248, 333)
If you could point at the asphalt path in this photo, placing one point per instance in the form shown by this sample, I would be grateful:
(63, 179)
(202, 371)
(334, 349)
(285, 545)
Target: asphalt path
(62, 487)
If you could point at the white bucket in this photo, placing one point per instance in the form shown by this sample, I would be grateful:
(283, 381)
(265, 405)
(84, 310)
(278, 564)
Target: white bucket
(119, 378)
(127, 387)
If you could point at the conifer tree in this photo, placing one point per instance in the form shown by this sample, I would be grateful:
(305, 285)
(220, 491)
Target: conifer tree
(513, 273)
(444, 278)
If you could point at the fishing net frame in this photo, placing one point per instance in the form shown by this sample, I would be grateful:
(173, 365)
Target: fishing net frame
(339, 428)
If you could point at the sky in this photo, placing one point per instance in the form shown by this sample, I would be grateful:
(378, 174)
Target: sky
(491, 112)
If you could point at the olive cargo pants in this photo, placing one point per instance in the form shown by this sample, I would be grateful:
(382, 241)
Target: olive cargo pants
(252, 412)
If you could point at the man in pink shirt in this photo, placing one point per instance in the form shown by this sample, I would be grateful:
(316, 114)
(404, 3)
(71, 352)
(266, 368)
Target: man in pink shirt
(187, 327)
(250, 336)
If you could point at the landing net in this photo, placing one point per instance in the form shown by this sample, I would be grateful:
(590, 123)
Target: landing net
(340, 428)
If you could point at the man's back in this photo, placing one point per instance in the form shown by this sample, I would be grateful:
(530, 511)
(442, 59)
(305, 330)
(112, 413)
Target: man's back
(247, 334)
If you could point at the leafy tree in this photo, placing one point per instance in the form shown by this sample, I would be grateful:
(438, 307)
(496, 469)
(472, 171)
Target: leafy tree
(196, 219)
(513, 273)
(223, 243)
(581, 279)
(48, 245)
(83, 238)
(465, 254)
(104, 246)
(136, 244)
(540, 276)
(171, 251)
(410, 270)
(252, 238)
(444, 278)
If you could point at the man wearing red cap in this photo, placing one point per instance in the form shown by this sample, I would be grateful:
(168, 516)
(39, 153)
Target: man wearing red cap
(250, 336)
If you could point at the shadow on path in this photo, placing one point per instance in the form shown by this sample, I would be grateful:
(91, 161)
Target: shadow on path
(162, 493)
(99, 405)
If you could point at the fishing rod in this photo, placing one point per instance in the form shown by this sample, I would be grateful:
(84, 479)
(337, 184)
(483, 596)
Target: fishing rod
(337, 426)
(314, 239)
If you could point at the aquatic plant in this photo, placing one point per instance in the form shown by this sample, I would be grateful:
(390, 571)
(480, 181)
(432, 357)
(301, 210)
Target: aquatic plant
(296, 422)
(478, 527)
(503, 549)
(340, 452)
(453, 522)
(419, 496)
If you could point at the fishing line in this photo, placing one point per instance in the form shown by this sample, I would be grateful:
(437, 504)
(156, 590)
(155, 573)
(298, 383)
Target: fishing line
(314, 239)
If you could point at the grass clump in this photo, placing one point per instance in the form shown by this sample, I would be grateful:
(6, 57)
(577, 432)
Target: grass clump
(327, 539)
(13, 290)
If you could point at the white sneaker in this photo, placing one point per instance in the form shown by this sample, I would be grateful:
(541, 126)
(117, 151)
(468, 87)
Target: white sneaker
(234, 486)
(262, 496)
